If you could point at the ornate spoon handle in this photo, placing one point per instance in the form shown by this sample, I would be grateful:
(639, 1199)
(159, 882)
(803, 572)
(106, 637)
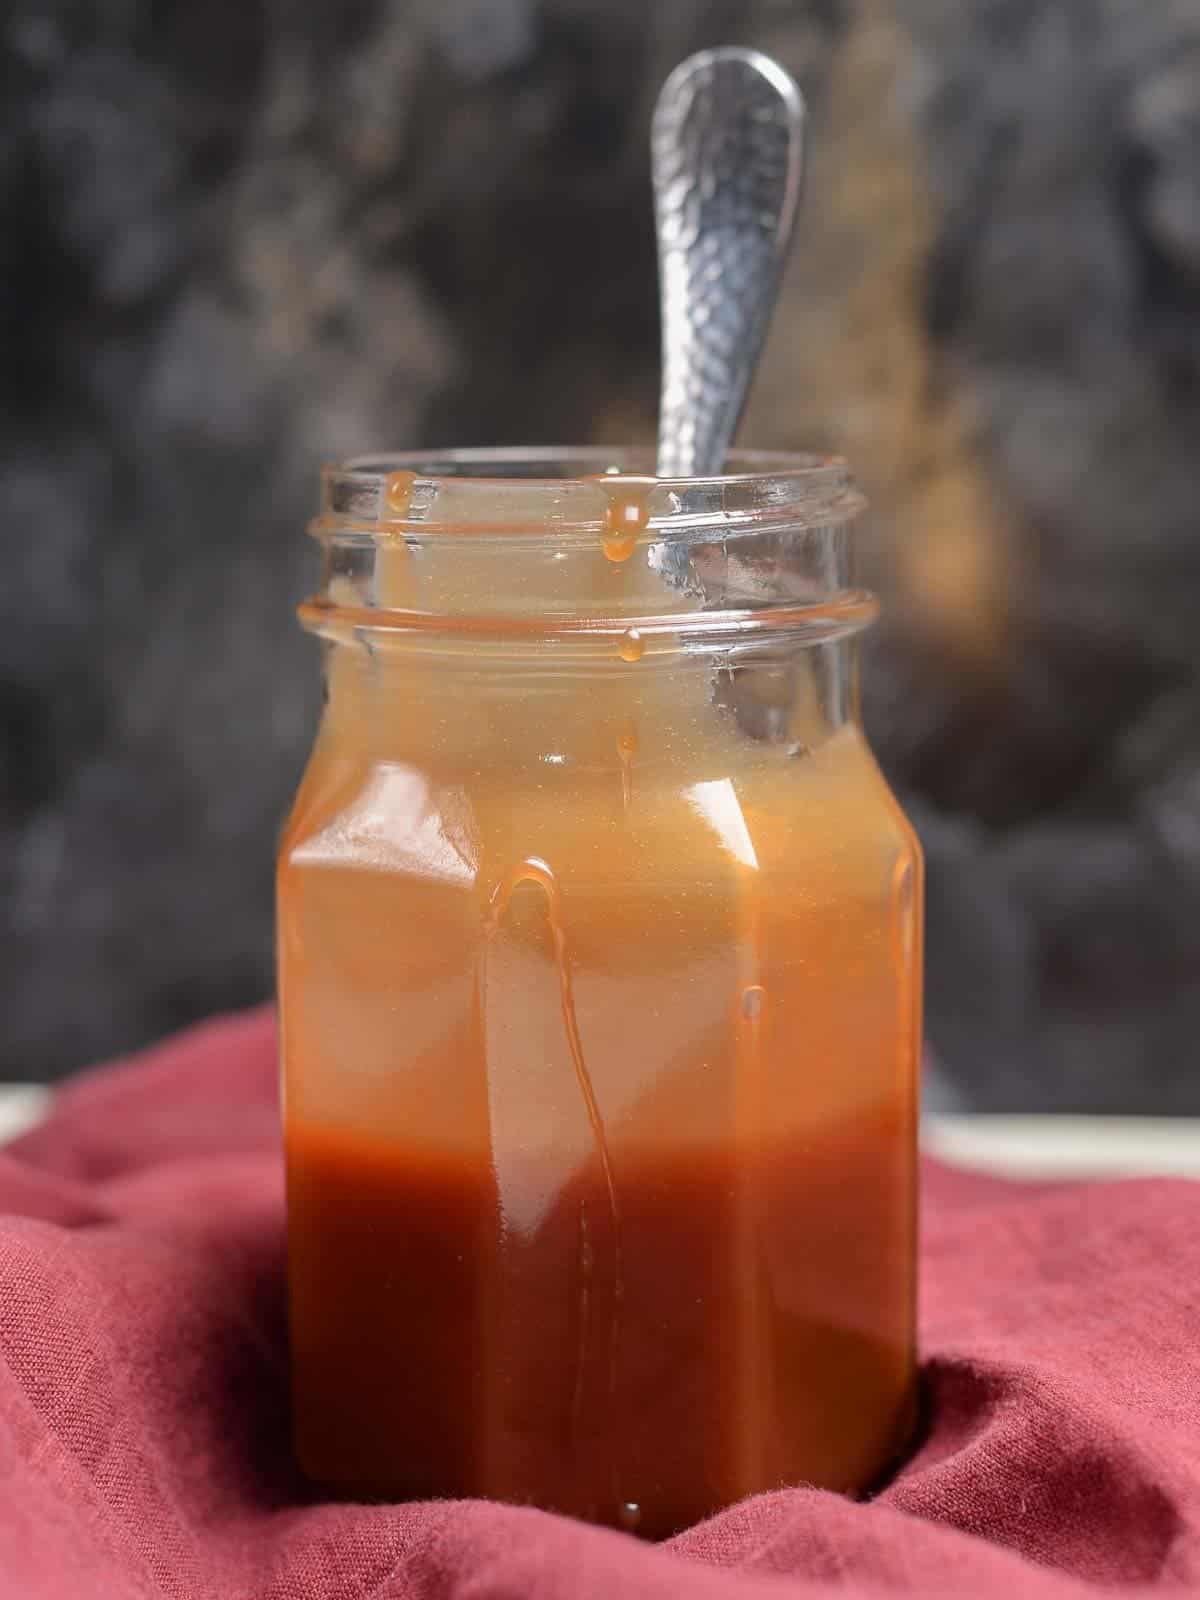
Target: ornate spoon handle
(727, 147)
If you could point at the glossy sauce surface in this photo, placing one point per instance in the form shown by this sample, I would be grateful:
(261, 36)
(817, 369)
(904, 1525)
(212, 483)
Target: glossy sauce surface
(600, 1029)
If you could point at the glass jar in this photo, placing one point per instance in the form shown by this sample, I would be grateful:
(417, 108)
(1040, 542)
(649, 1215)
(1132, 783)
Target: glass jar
(599, 965)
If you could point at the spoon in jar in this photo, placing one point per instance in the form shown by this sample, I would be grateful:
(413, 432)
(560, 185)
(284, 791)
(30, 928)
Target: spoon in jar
(727, 155)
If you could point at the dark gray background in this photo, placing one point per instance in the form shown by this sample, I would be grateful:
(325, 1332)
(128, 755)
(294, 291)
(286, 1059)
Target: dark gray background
(237, 240)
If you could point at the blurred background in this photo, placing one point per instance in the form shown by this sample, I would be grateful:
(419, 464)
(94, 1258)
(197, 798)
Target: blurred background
(238, 239)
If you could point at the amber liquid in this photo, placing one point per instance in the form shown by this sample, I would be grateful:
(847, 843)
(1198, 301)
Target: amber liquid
(600, 1036)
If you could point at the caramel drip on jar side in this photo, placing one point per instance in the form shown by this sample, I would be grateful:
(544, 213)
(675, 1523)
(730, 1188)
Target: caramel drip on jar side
(538, 872)
(397, 494)
(632, 646)
(627, 748)
(393, 578)
(751, 1111)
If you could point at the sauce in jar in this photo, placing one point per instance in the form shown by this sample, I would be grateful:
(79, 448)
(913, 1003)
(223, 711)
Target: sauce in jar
(599, 978)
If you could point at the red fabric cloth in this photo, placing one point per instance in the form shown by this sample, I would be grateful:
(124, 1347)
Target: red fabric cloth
(143, 1415)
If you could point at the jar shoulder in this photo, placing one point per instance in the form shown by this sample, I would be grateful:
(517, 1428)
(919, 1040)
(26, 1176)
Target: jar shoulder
(803, 812)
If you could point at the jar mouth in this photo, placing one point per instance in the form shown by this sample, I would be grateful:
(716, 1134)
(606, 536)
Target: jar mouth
(524, 492)
(523, 545)
(551, 464)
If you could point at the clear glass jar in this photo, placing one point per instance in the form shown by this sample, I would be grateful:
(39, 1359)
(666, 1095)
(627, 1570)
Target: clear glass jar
(599, 963)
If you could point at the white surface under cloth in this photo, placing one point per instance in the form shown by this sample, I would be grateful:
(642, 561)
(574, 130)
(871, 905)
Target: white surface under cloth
(1044, 1147)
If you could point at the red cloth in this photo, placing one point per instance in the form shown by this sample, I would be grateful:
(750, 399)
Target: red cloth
(143, 1416)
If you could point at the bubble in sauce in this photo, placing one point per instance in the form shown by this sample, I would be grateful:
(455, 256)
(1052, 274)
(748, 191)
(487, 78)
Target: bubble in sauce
(754, 1000)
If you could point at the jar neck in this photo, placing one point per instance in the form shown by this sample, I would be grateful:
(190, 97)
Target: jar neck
(460, 709)
(522, 607)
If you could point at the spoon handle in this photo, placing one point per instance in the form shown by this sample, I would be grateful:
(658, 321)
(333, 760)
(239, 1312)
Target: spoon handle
(727, 153)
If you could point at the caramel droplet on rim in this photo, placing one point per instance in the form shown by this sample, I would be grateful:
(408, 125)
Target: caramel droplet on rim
(626, 516)
(398, 493)
(631, 646)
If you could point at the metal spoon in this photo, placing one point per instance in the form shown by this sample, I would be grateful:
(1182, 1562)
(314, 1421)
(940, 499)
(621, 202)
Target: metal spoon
(727, 152)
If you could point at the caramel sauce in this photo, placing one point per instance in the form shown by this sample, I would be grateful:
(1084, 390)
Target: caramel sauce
(599, 1113)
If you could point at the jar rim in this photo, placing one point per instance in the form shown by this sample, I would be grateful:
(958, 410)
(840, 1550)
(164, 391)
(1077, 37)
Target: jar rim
(565, 490)
(494, 463)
